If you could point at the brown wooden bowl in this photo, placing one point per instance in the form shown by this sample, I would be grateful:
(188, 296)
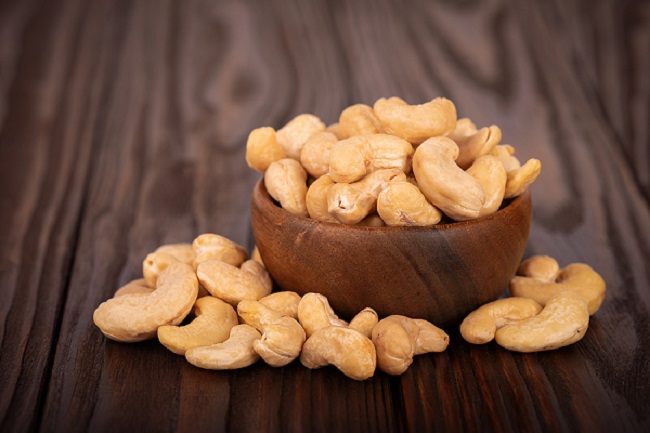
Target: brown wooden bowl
(439, 273)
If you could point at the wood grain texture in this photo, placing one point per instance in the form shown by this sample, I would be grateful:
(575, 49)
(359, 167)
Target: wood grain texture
(122, 127)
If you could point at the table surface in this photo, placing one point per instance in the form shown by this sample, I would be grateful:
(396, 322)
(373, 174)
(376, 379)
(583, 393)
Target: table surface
(123, 127)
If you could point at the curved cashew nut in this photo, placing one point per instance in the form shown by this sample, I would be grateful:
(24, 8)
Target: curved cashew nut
(359, 119)
(505, 152)
(315, 155)
(399, 338)
(284, 302)
(353, 158)
(577, 277)
(236, 352)
(402, 204)
(480, 325)
(232, 284)
(335, 129)
(365, 321)
(137, 317)
(457, 193)
(491, 174)
(316, 199)
(262, 148)
(564, 320)
(346, 349)
(286, 181)
(352, 202)
(416, 123)
(314, 313)
(520, 178)
(181, 252)
(540, 267)
(133, 287)
(473, 143)
(154, 264)
(213, 322)
(209, 246)
(295, 133)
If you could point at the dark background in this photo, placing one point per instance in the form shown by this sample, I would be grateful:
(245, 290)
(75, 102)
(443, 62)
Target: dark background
(123, 127)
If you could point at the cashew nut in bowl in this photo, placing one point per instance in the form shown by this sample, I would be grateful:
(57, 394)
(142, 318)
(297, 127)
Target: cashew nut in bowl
(315, 155)
(209, 246)
(345, 348)
(236, 352)
(372, 220)
(335, 129)
(256, 256)
(480, 325)
(416, 123)
(316, 199)
(286, 181)
(505, 152)
(359, 119)
(213, 322)
(402, 204)
(352, 202)
(137, 317)
(491, 174)
(262, 148)
(293, 136)
(398, 339)
(520, 178)
(365, 321)
(577, 277)
(314, 313)
(353, 158)
(473, 143)
(138, 286)
(448, 187)
(232, 284)
(563, 321)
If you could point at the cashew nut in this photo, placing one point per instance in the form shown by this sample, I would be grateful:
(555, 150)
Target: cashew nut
(480, 325)
(256, 256)
(284, 302)
(352, 202)
(402, 204)
(181, 252)
(492, 177)
(286, 182)
(540, 267)
(335, 129)
(256, 314)
(345, 348)
(236, 352)
(137, 317)
(520, 178)
(315, 155)
(473, 143)
(457, 193)
(154, 264)
(138, 286)
(213, 322)
(314, 313)
(295, 133)
(564, 320)
(577, 277)
(365, 321)
(505, 152)
(262, 148)
(316, 199)
(353, 158)
(416, 123)
(359, 119)
(210, 246)
(372, 220)
(399, 338)
(232, 284)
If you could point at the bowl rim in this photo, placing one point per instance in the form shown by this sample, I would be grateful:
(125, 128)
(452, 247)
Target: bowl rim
(266, 204)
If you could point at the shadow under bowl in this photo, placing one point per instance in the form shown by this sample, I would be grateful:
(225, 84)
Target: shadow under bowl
(440, 273)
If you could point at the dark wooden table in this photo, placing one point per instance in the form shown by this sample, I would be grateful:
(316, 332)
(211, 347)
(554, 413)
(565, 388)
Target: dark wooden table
(122, 127)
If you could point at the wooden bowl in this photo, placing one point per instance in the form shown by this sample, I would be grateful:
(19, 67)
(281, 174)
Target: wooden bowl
(439, 273)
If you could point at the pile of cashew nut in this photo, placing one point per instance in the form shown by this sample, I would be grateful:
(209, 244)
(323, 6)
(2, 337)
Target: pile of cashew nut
(549, 307)
(236, 319)
(391, 164)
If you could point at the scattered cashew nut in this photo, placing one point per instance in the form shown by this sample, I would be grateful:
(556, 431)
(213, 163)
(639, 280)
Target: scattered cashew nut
(480, 325)
(284, 302)
(398, 339)
(314, 313)
(137, 317)
(345, 348)
(365, 321)
(209, 246)
(138, 286)
(457, 193)
(236, 352)
(402, 204)
(563, 321)
(286, 181)
(213, 322)
(576, 277)
(232, 284)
